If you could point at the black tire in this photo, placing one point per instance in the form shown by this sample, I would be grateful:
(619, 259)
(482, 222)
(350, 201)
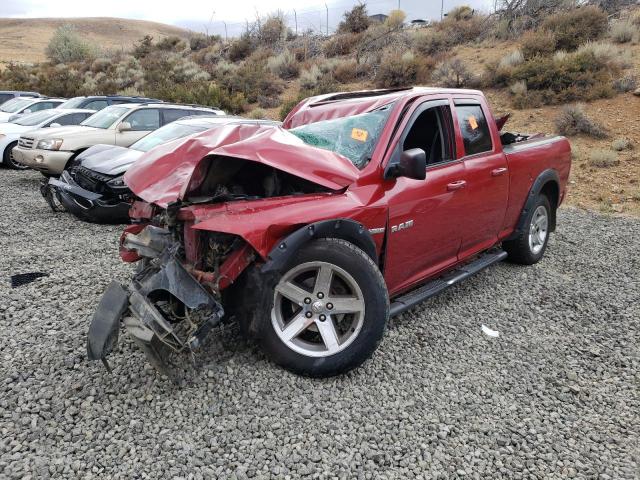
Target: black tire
(359, 345)
(520, 249)
(8, 161)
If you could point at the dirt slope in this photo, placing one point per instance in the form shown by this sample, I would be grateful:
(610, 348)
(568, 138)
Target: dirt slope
(25, 39)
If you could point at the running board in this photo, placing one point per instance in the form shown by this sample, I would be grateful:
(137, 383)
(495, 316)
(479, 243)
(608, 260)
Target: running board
(411, 299)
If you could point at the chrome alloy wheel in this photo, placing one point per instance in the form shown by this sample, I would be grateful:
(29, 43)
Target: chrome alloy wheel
(318, 309)
(14, 163)
(538, 230)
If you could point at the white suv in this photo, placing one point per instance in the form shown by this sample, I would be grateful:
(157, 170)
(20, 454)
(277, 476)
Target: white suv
(50, 150)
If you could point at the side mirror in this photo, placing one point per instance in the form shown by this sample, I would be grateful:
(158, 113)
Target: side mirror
(27, 110)
(412, 164)
(54, 124)
(124, 127)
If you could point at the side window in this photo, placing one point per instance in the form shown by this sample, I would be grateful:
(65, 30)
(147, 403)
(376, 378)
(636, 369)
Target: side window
(97, 104)
(145, 119)
(171, 115)
(474, 129)
(36, 107)
(66, 119)
(430, 132)
(4, 97)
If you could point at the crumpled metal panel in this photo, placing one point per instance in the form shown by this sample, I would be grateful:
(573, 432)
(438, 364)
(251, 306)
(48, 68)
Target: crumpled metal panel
(161, 175)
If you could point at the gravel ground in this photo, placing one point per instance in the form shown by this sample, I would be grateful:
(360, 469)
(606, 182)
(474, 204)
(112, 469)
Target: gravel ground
(557, 395)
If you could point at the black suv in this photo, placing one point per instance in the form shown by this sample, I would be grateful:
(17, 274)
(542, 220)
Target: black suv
(6, 95)
(98, 102)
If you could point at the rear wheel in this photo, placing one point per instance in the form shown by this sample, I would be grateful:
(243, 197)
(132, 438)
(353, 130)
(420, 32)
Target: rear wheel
(327, 311)
(9, 160)
(529, 247)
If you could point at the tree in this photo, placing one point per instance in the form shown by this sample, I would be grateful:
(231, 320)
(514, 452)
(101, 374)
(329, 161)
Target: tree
(355, 20)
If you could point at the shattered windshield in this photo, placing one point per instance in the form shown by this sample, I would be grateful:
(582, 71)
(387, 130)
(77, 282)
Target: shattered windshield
(353, 137)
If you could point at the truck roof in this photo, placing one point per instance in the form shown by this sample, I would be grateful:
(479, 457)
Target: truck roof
(344, 104)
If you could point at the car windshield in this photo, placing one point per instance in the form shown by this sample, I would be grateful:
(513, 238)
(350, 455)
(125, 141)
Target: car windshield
(16, 104)
(74, 102)
(105, 118)
(353, 137)
(35, 118)
(166, 134)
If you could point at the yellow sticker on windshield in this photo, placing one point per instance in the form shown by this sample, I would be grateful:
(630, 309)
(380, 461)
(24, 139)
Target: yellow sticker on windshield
(359, 134)
(473, 122)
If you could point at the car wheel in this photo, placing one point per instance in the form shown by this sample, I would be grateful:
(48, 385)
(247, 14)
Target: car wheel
(9, 160)
(530, 245)
(327, 310)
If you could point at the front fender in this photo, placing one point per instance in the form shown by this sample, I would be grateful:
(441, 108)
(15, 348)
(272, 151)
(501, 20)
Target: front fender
(344, 228)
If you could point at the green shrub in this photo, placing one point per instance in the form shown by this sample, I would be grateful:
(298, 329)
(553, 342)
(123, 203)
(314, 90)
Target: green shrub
(431, 42)
(172, 43)
(627, 83)
(538, 42)
(572, 120)
(620, 144)
(576, 26)
(398, 70)
(200, 41)
(451, 73)
(511, 59)
(67, 46)
(257, 114)
(240, 48)
(346, 71)
(603, 159)
(273, 30)
(284, 65)
(265, 101)
(202, 93)
(622, 32)
(355, 20)
(288, 105)
(341, 44)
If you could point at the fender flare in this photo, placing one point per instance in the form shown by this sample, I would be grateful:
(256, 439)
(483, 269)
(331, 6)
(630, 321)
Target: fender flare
(343, 228)
(549, 176)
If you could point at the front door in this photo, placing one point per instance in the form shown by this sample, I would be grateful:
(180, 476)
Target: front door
(141, 122)
(425, 229)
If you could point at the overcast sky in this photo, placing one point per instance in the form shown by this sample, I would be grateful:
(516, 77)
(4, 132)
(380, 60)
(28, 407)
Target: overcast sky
(202, 14)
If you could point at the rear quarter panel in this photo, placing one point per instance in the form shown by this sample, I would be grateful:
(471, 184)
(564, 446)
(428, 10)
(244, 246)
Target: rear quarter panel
(526, 161)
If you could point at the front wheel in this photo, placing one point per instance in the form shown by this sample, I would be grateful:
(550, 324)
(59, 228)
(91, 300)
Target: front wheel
(9, 160)
(328, 310)
(530, 245)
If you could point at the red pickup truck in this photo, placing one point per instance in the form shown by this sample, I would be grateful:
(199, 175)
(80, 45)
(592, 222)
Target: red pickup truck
(312, 234)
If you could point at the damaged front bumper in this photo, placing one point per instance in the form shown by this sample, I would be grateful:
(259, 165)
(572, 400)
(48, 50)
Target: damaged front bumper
(85, 204)
(147, 305)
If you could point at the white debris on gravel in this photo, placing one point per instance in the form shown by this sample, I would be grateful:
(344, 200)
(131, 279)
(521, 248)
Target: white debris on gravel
(557, 397)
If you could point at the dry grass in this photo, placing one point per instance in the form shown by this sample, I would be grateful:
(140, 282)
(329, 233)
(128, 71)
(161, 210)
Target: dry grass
(25, 39)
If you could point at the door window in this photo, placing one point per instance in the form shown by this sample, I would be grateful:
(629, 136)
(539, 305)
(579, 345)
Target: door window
(474, 129)
(97, 105)
(145, 119)
(171, 115)
(430, 132)
(36, 107)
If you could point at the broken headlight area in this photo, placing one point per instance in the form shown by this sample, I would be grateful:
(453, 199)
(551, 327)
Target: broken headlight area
(172, 304)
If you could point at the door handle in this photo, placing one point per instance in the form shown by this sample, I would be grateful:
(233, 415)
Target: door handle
(457, 185)
(498, 171)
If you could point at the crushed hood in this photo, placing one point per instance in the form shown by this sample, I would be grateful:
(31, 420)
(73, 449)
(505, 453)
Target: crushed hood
(161, 175)
(109, 159)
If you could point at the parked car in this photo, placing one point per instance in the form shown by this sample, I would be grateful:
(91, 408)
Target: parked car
(6, 95)
(12, 109)
(312, 234)
(10, 132)
(50, 151)
(94, 189)
(98, 102)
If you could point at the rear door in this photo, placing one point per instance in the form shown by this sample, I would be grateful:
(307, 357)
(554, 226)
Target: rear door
(425, 231)
(487, 176)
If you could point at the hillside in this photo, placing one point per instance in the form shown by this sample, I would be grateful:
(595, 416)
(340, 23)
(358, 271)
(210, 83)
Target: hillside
(25, 39)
